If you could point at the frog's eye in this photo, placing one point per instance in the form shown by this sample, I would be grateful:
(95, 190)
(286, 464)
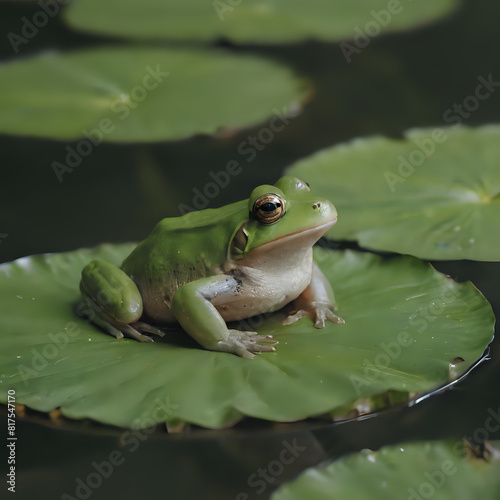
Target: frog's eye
(269, 208)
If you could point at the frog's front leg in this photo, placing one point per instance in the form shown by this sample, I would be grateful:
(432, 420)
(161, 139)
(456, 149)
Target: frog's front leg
(114, 301)
(316, 302)
(195, 312)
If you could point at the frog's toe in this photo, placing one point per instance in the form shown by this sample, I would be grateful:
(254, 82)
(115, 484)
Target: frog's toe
(263, 348)
(131, 332)
(295, 316)
(108, 327)
(324, 312)
(264, 338)
(320, 319)
(251, 349)
(244, 353)
(334, 318)
(251, 338)
(147, 328)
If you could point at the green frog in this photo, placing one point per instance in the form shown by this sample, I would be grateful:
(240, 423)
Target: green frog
(214, 266)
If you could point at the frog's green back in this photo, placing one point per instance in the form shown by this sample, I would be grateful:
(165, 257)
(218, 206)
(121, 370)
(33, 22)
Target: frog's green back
(182, 249)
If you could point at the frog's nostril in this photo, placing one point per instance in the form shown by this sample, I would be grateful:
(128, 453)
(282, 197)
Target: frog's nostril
(316, 205)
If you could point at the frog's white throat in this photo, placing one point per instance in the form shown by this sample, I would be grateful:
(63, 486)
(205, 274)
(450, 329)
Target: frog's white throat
(286, 252)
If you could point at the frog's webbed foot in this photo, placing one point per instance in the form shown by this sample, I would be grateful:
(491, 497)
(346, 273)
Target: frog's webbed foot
(245, 344)
(319, 312)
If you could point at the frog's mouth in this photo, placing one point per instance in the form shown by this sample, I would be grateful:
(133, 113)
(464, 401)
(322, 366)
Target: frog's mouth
(322, 228)
(301, 239)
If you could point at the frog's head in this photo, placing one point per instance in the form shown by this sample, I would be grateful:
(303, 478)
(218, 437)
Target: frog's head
(287, 214)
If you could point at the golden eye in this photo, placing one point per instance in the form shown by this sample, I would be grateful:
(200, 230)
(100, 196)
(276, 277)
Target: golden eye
(269, 208)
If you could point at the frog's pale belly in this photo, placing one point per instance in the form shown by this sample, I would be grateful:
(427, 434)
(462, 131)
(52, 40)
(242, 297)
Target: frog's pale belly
(270, 279)
(259, 291)
(262, 292)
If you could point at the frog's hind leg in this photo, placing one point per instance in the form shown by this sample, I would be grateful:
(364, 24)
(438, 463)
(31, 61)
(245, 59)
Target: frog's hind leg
(116, 329)
(114, 301)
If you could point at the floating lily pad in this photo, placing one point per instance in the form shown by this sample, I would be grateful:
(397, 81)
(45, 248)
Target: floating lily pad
(261, 21)
(434, 194)
(444, 470)
(408, 330)
(140, 94)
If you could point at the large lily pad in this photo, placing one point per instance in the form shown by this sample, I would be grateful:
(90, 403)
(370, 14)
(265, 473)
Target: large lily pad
(407, 330)
(261, 21)
(443, 470)
(434, 194)
(140, 94)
